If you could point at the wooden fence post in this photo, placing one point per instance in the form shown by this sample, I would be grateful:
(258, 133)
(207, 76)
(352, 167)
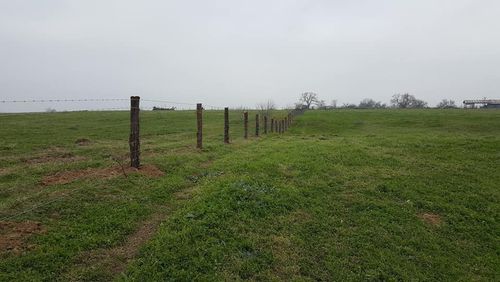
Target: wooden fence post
(245, 122)
(272, 125)
(133, 141)
(282, 126)
(279, 127)
(265, 124)
(257, 125)
(199, 118)
(226, 125)
(286, 123)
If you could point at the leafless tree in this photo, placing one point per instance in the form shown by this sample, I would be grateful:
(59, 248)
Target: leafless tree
(308, 99)
(265, 108)
(446, 104)
(406, 100)
(321, 104)
(370, 104)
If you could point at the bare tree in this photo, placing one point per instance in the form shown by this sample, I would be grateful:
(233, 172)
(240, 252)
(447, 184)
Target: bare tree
(266, 107)
(321, 104)
(370, 104)
(406, 100)
(446, 104)
(308, 99)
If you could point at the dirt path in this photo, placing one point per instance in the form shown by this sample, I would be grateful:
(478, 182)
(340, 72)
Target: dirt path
(112, 262)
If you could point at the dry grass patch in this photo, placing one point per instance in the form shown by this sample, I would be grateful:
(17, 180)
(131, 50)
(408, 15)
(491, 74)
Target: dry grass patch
(53, 155)
(285, 256)
(13, 235)
(65, 177)
(431, 219)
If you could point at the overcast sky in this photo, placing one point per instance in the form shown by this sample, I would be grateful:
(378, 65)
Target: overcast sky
(245, 52)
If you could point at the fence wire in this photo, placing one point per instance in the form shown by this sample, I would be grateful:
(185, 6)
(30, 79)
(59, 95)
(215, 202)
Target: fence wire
(124, 108)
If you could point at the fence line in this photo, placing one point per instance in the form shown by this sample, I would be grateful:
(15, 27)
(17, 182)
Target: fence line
(277, 125)
(284, 125)
(61, 100)
(89, 104)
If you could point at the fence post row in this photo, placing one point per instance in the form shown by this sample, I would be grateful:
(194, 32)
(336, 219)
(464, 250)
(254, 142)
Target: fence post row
(199, 117)
(257, 125)
(226, 125)
(133, 141)
(245, 122)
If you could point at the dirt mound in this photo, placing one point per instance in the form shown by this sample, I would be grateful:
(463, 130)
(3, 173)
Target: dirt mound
(103, 173)
(147, 170)
(14, 234)
(431, 218)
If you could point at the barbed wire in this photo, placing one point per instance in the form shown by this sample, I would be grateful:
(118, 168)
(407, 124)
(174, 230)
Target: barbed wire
(36, 206)
(70, 192)
(61, 100)
(107, 100)
(180, 103)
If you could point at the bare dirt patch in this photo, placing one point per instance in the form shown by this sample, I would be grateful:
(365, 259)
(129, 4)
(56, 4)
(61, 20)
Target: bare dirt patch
(55, 159)
(5, 171)
(13, 235)
(64, 177)
(53, 155)
(185, 194)
(82, 142)
(431, 218)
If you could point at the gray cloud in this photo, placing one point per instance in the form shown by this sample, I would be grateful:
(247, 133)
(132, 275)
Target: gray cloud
(243, 52)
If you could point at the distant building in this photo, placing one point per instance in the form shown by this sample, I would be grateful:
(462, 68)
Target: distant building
(484, 103)
(163, 109)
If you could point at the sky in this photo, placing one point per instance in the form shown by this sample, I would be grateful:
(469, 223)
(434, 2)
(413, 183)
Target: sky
(241, 53)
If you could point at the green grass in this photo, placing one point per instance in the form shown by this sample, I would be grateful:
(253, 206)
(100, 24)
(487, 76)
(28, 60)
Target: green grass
(340, 196)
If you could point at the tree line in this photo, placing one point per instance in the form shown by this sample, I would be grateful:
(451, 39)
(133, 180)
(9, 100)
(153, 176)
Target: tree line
(310, 100)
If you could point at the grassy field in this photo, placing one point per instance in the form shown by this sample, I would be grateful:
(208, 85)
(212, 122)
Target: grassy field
(343, 195)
